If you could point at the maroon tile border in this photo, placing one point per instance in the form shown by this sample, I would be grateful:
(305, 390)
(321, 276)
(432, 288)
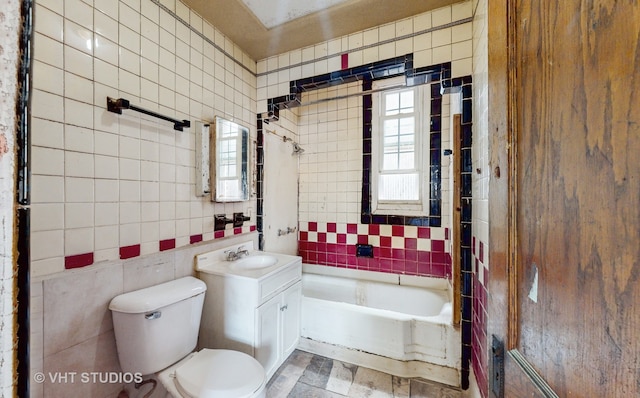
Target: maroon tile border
(167, 244)
(129, 251)
(78, 260)
(195, 239)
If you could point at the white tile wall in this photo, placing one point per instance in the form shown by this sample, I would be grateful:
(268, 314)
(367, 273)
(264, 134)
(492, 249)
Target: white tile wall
(102, 180)
(428, 36)
(331, 166)
(480, 150)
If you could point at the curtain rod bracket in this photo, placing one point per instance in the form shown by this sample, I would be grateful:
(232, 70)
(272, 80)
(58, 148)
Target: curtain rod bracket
(117, 105)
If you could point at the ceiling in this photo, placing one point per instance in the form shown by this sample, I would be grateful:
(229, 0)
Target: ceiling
(263, 28)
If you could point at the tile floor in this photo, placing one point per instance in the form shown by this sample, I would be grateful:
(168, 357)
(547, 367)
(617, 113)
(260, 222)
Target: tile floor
(305, 375)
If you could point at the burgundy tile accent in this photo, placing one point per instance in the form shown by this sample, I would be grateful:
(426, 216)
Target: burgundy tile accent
(446, 233)
(352, 228)
(237, 231)
(397, 254)
(129, 251)
(218, 234)
(386, 252)
(437, 245)
(252, 228)
(344, 61)
(411, 255)
(424, 268)
(424, 257)
(410, 243)
(440, 258)
(385, 241)
(411, 268)
(405, 260)
(424, 232)
(167, 244)
(195, 239)
(480, 358)
(78, 260)
(439, 270)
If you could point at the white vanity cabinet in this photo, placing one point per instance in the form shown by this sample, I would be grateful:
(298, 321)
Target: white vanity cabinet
(278, 330)
(256, 311)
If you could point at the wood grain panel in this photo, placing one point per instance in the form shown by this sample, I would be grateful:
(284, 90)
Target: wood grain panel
(578, 192)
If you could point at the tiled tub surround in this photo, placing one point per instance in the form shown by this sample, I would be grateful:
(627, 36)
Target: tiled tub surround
(400, 249)
(108, 186)
(71, 326)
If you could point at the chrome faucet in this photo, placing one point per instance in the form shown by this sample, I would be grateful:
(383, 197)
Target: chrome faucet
(236, 255)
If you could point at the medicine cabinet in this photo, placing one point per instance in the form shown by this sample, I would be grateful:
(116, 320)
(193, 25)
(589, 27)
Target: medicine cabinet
(229, 161)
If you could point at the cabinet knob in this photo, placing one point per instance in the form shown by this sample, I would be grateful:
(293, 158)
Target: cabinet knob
(284, 307)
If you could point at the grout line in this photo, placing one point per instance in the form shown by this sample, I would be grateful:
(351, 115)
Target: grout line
(205, 38)
(380, 43)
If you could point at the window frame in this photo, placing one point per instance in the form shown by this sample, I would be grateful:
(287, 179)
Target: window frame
(422, 99)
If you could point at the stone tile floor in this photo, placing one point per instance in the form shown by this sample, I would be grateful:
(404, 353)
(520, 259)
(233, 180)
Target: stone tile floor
(305, 375)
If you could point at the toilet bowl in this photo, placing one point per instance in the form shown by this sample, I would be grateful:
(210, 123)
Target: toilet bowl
(213, 373)
(156, 331)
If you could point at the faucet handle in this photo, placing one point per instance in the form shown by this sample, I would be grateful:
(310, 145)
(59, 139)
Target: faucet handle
(231, 255)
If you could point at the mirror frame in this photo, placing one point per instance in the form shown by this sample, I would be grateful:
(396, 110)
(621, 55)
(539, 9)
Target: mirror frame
(242, 154)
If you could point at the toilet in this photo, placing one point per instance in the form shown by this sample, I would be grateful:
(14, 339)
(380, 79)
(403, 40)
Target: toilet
(156, 331)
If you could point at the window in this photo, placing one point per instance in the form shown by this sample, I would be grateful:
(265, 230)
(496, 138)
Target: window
(400, 149)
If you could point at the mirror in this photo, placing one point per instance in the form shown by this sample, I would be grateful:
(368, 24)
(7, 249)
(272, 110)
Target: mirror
(230, 161)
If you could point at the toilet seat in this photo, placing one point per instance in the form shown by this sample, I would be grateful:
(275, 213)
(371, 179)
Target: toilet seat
(220, 374)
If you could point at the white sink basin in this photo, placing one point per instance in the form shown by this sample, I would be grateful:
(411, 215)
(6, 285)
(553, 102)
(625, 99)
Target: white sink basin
(256, 262)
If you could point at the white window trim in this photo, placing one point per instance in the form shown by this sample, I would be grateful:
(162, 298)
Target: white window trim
(404, 208)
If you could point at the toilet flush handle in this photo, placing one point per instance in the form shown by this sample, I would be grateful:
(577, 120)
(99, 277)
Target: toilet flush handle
(153, 315)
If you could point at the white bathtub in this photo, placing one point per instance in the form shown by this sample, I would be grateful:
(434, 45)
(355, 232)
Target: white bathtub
(398, 324)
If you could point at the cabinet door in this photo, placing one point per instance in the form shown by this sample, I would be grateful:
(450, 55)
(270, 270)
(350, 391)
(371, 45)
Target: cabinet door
(291, 319)
(267, 343)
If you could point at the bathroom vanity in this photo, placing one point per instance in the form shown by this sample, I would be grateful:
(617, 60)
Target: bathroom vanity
(252, 303)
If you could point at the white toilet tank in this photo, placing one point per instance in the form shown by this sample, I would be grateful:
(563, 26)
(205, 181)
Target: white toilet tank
(157, 326)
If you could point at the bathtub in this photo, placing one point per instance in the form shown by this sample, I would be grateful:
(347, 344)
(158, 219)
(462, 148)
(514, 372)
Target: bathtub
(398, 324)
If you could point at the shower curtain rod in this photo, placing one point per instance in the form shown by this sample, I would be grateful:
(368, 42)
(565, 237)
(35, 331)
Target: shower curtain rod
(360, 94)
(117, 105)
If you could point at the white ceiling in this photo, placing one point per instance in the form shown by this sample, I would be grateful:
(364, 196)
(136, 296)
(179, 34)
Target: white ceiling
(276, 12)
(263, 28)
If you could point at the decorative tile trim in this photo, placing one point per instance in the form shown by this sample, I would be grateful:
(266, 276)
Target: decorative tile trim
(78, 260)
(85, 259)
(167, 244)
(396, 249)
(129, 252)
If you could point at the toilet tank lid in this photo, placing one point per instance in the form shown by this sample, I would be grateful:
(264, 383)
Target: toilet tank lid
(158, 296)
